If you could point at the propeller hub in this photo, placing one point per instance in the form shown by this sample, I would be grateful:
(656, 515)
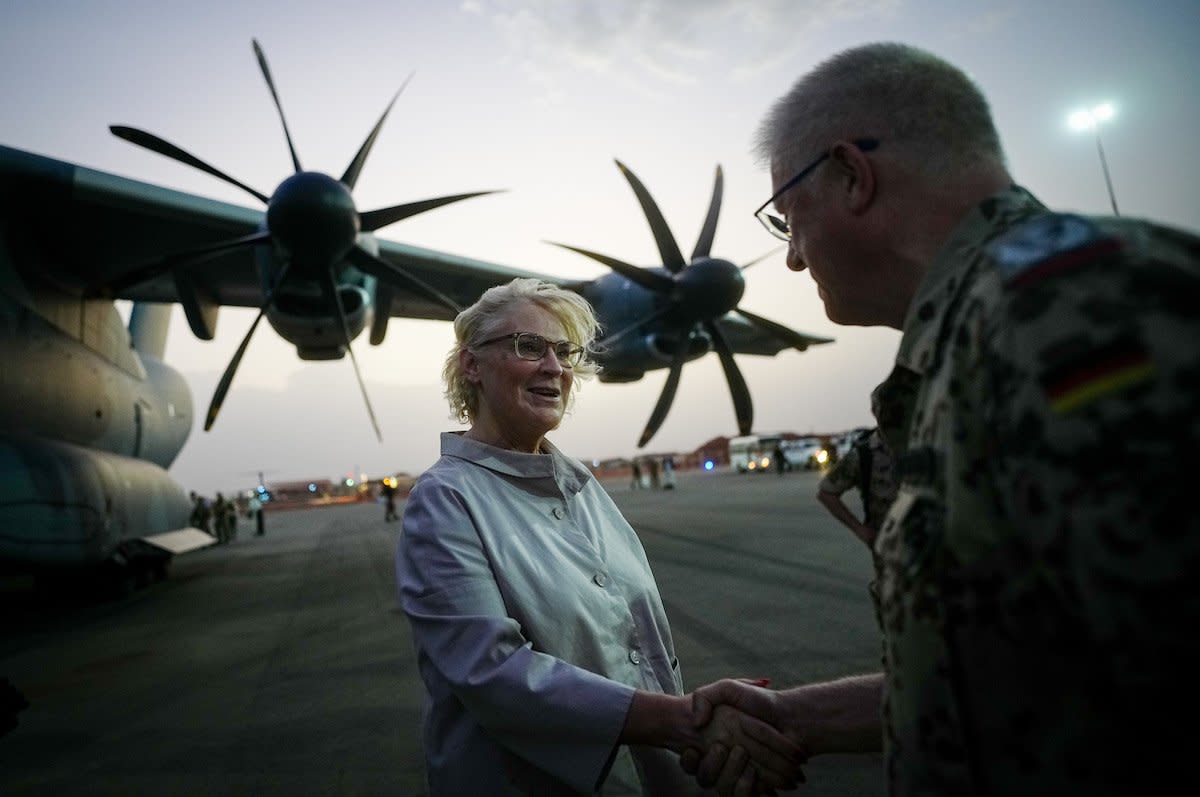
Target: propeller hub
(709, 288)
(313, 220)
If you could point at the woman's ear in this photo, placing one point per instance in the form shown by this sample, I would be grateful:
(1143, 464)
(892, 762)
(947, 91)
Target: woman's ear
(468, 361)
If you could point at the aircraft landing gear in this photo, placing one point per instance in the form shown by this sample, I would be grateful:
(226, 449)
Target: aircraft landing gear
(136, 565)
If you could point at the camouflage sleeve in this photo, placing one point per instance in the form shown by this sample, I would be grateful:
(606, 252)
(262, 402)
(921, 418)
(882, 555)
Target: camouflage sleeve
(842, 476)
(1088, 402)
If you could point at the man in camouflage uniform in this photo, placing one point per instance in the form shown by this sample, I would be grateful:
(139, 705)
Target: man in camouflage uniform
(870, 468)
(1039, 597)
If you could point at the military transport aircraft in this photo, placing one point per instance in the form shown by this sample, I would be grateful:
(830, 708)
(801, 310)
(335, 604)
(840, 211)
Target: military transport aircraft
(90, 415)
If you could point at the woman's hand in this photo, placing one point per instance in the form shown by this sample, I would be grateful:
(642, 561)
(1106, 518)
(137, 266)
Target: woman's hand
(743, 752)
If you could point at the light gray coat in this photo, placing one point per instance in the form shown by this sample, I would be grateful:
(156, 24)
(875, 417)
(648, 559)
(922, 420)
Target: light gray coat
(535, 617)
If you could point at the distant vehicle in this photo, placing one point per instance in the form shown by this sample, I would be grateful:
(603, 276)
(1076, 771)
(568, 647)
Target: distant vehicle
(807, 453)
(846, 440)
(752, 453)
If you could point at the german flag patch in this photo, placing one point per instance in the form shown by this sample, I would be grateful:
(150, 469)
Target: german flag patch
(1097, 374)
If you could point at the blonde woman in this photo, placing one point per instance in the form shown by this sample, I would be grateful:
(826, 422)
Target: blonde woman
(540, 634)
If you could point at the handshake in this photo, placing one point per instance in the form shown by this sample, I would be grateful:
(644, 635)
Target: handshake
(750, 743)
(749, 740)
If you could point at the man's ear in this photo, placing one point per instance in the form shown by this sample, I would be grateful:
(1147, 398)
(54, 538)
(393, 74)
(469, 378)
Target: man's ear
(469, 363)
(857, 175)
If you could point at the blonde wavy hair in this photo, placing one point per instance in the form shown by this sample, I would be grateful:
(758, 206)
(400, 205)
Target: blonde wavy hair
(484, 318)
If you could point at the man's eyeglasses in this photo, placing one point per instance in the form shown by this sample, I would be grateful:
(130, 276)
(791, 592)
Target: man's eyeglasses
(777, 226)
(530, 346)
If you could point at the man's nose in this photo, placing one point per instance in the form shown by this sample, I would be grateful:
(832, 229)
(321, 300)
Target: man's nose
(794, 261)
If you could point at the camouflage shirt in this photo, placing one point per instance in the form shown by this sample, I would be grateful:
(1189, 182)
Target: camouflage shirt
(1040, 582)
(881, 486)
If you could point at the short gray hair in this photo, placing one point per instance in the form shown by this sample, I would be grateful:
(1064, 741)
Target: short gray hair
(924, 109)
(482, 319)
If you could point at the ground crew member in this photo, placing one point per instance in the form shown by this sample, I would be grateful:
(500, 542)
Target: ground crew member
(868, 467)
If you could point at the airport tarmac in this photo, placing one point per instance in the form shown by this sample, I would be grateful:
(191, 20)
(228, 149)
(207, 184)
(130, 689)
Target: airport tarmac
(279, 665)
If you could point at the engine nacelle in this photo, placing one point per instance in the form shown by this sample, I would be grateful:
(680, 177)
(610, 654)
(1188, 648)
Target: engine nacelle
(633, 356)
(306, 321)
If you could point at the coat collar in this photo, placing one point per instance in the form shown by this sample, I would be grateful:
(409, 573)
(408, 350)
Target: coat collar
(570, 474)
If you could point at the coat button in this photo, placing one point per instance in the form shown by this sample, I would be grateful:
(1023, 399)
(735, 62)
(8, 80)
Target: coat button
(635, 657)
(600, 579)
(557, 512)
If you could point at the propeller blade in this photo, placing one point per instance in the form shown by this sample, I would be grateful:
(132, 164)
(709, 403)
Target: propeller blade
(381, 269)
(761, 258)
(575, 286)
(668, 394)
(667, 248)
(218, 398)
(156, 144)
(657, 314)
(788, 336)
(355, 167)
(179, 260)
(705, 241)
(329, 288)
(650, 280)
(373, 220)
(743, 405)
(262, 63)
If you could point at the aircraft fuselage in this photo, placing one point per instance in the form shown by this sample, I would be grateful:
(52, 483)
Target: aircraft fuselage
(87, 428)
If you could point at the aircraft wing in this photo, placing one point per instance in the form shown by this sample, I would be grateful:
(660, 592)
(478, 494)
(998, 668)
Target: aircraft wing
(95, 227)
(746, 338)
(92, 227)
(463, 279)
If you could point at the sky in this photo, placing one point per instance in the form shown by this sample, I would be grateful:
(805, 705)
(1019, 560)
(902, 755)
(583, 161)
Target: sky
(538, 97)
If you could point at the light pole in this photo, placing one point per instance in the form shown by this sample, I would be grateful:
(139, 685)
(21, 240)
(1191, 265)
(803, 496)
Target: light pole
(1091, 119)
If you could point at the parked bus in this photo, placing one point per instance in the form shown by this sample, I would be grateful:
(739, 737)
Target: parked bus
(752, 453)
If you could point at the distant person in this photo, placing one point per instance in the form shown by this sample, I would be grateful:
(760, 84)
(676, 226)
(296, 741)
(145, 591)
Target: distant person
(652, 467)
(668, 472)
(637, 475)
(194, 518)
(224, 519)
(201, 513)
(540, 635)
(255, 506)
(780, 460)
(1038, 593)
(389, 501)
(870, 468)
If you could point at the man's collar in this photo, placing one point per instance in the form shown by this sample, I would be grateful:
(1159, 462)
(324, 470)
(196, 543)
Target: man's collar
(941, 282)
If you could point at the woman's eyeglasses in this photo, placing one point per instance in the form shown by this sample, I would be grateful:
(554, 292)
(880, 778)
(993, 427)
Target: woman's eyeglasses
(531, 346)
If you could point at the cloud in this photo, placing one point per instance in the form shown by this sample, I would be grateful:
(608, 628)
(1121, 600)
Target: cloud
(652, 45)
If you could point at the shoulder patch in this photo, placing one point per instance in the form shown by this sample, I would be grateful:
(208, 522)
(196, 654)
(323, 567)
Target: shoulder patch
(1096, 373)
(1046, 245)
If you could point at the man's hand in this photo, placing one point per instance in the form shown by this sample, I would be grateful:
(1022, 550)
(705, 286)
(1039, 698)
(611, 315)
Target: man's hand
(744, 754)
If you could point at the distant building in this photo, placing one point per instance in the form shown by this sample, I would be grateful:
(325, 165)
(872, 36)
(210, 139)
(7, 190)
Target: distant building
(715, 451)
